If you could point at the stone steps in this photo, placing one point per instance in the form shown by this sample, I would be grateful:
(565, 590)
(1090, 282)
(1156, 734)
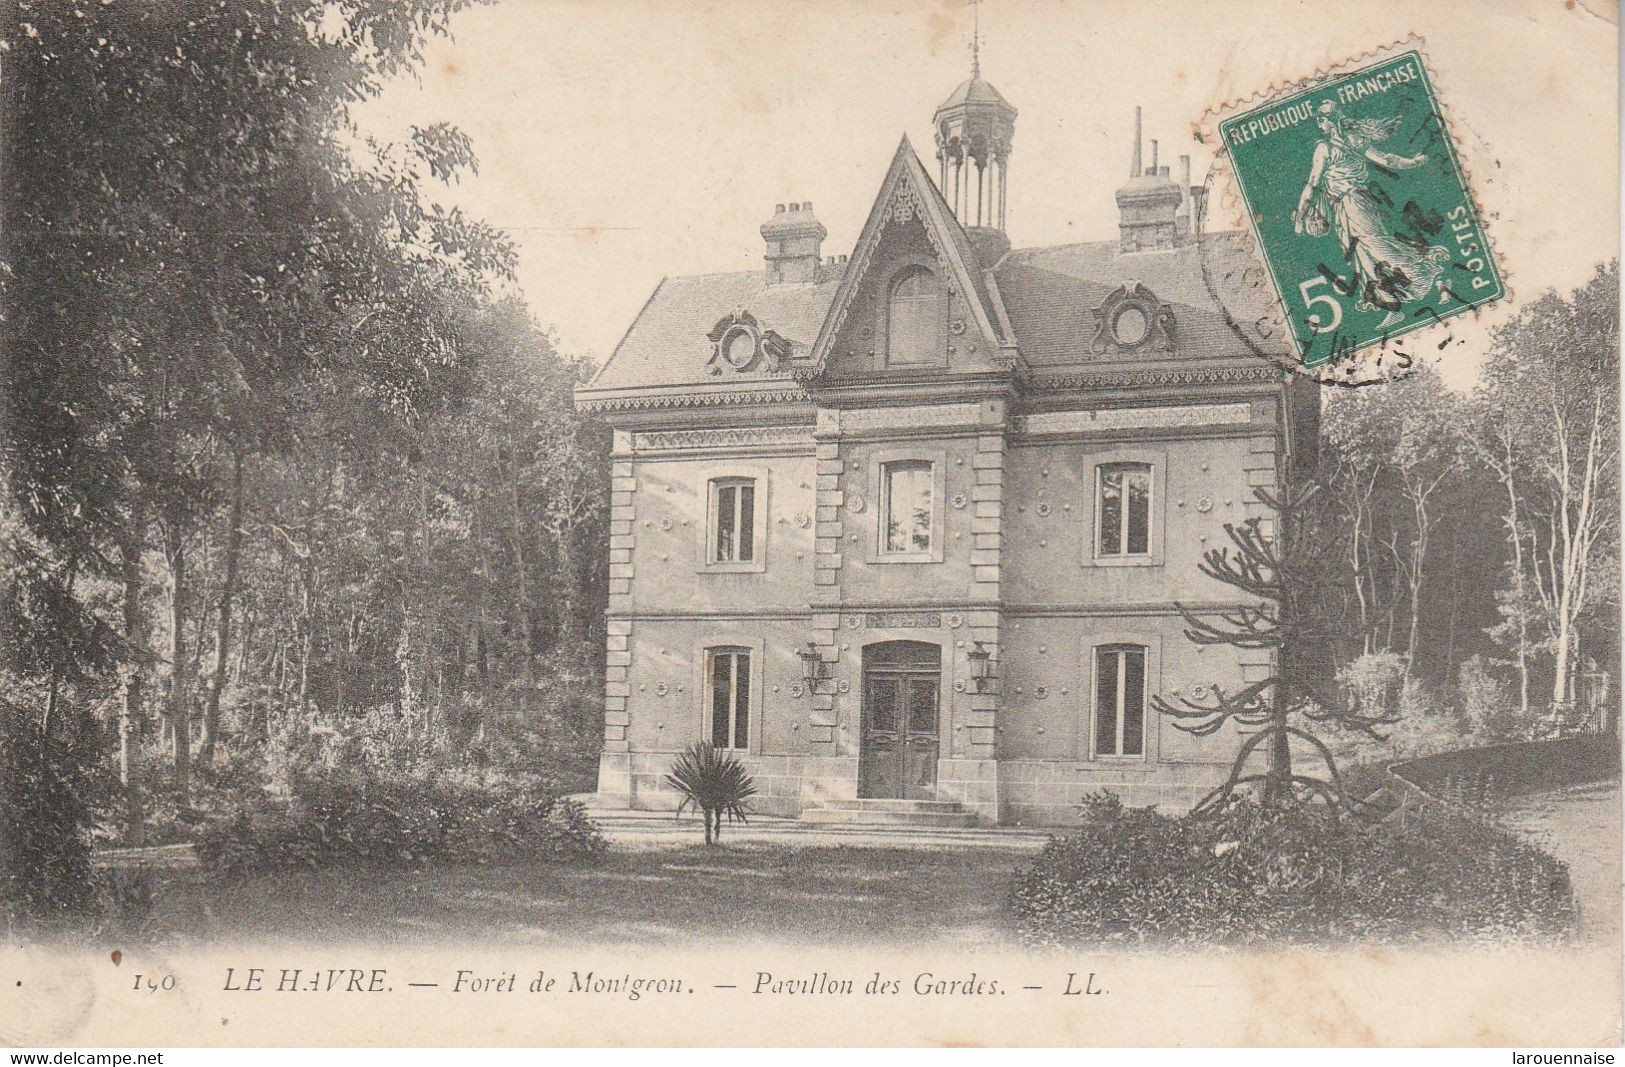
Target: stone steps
(878, 812)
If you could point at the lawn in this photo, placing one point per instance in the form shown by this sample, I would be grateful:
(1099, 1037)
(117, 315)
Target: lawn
(741, 893)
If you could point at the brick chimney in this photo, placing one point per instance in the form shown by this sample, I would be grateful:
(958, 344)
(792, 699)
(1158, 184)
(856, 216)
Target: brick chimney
(794, 237)
(1147, 203)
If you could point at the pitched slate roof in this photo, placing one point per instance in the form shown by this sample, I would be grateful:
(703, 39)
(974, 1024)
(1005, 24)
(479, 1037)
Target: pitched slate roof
(667, 344)
(1049, 293)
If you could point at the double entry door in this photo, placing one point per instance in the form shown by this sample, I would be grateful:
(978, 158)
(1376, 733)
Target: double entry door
(902, 696)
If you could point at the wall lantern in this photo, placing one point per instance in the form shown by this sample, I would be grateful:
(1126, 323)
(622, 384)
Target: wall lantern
(812, 665)
(981, 666)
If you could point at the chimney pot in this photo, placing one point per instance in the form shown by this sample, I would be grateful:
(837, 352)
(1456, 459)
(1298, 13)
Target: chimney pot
(1134, 168)
(1153, 156)
(778, 209)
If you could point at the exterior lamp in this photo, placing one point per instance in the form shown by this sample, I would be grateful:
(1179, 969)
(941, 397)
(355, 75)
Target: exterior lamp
(812, 665)
(981, 666)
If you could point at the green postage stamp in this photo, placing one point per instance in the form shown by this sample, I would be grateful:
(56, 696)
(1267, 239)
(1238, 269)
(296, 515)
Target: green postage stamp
(1359, 204)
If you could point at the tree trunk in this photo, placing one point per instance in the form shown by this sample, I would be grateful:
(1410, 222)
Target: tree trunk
(1278, 784)
(522, 595)
(131, 676)
(1520, 591)
(222, 633)
(175, 553)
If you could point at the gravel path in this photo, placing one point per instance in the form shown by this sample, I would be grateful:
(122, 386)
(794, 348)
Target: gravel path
(1581, 827)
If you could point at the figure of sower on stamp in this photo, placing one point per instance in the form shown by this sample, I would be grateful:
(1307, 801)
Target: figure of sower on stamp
(1341, 194)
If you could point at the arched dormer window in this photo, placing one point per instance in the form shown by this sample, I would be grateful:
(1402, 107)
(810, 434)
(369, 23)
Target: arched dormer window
(914, 318)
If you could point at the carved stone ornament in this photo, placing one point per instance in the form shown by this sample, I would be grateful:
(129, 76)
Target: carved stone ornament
(661, 689)
(803, 519)
(1204, 504)
(912, 620)
(959, 501)
(741, 343)
(1131, 319)
(1043, 509)
(857, 505)
(955, 621)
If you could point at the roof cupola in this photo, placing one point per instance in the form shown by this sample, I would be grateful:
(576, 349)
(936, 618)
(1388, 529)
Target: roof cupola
(974, 128)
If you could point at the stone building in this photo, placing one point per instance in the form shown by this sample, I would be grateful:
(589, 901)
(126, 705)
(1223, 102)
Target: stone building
(905, 529)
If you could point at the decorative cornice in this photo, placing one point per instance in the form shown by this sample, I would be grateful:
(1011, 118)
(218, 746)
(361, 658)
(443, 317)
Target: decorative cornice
(721, 437)
(711, 398)
(1037, 384)
(1126, 379)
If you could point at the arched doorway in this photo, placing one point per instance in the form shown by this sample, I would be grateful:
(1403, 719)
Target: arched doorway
(902, 696)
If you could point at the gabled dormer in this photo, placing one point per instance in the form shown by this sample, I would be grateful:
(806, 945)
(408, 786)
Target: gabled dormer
(916, 297)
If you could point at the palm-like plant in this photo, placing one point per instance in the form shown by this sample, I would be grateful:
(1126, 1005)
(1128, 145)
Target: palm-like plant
(715, 782)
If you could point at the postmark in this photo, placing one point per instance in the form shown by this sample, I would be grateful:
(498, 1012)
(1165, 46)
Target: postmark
(1359, 208)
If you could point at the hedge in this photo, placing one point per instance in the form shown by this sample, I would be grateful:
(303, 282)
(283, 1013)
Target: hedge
(1299, 876)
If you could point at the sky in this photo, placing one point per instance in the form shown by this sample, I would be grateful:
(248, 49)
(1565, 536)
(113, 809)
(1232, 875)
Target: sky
(621, 141)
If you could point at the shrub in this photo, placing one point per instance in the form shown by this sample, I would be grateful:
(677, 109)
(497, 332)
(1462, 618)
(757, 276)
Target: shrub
(713, 781)
(1372, 682)
(45, 869)
(1487, 703)
(1300, 875)
(339, 817)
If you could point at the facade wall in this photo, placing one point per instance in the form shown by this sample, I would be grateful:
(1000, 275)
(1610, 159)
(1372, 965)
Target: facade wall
(1012, 565)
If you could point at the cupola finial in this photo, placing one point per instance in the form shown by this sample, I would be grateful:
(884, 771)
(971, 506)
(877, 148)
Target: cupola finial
(976, 39)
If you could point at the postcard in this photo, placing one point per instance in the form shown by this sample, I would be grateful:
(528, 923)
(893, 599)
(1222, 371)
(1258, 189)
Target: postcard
(650, 523)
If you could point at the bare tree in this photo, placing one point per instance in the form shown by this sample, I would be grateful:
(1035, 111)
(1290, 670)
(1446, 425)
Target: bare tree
(1288, 611)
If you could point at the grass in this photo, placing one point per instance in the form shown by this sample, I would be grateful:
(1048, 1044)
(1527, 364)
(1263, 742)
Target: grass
(746, 893)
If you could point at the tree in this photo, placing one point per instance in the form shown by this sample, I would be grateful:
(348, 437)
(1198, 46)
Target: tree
(196, 247)
(1549, 403)
(1289, 611)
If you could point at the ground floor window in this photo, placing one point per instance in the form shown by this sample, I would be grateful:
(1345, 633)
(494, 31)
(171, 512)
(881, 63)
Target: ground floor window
(1120, 700)
(728, 691)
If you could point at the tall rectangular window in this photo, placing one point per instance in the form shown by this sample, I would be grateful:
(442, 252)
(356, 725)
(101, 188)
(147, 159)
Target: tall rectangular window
(1120, 700)
(907, 504)
(1123, 510)
(728, 688)
(733, 520)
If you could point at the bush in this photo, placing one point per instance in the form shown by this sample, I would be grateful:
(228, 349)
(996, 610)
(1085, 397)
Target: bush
(1489, 705)
(45, 870)
(341, 817)
(1245, 876)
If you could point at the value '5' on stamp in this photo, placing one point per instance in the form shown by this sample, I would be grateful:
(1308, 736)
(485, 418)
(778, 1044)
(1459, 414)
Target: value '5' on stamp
(1358, 201)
